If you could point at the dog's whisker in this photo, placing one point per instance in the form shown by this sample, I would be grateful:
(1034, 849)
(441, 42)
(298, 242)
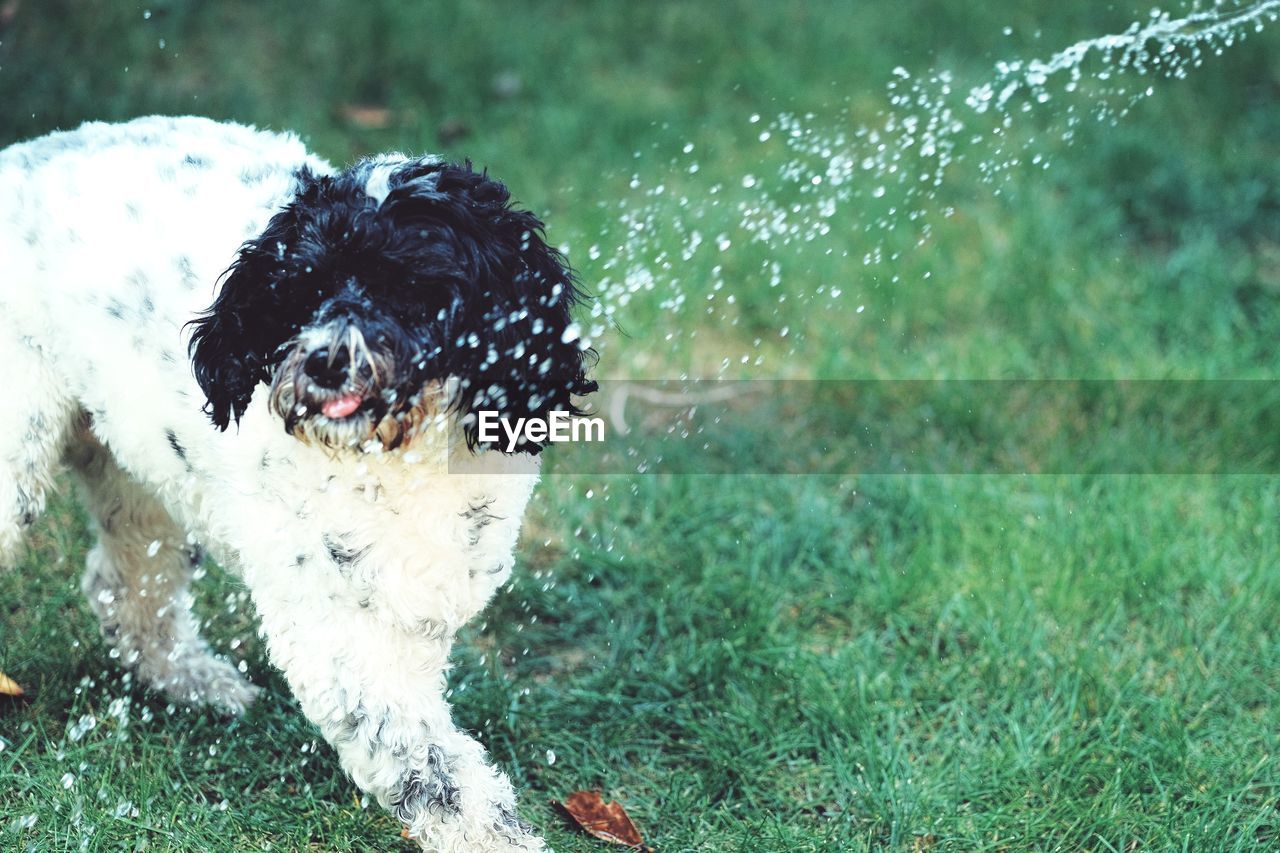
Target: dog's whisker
(360, 353)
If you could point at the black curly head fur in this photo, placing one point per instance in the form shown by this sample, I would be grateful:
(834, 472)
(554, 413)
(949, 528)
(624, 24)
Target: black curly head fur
(393, 288)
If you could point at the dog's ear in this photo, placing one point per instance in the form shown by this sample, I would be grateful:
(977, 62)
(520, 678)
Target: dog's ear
(517, 351)
(542, 360)
(235, 338)
(533, 361)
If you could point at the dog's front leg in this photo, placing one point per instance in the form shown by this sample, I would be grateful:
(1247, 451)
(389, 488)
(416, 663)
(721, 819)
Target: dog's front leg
(376, 690)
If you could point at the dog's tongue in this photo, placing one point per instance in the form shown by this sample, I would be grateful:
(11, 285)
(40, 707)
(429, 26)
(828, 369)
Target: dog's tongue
(341, 407)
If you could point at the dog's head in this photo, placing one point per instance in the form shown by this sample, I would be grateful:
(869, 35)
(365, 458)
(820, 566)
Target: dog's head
(392, 291)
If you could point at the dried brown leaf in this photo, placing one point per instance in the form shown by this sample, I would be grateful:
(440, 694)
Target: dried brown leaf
(606, 821)
(9, 687)
(367, 116)
(453, 130)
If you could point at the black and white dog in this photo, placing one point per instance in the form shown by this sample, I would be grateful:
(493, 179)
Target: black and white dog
(314, 428)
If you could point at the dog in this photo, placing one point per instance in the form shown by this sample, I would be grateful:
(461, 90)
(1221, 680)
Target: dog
(234, 346)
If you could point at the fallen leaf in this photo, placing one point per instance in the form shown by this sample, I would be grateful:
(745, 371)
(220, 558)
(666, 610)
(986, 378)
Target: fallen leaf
(9, 687)
(453, 130)
(367, 116)
(606, 821)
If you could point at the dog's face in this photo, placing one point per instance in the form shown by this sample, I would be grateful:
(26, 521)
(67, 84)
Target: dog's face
(393, 291)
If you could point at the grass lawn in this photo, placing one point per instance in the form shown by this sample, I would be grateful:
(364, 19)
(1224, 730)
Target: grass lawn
(992, 660)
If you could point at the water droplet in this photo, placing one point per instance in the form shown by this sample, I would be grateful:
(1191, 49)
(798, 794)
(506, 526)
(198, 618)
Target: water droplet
(85, 724)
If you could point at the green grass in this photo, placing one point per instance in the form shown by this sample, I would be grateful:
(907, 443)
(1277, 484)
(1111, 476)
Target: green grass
(752, 662)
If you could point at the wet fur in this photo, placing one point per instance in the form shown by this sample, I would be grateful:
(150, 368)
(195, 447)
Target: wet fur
(359, 539)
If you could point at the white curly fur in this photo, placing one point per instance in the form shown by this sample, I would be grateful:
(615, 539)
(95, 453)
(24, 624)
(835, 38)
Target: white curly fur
(361, 566)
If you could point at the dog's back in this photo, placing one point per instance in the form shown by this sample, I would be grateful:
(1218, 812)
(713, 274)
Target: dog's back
(115, 237)
(125, 230)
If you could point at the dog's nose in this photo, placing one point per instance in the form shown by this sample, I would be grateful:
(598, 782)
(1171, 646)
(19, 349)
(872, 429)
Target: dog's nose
(327, 371)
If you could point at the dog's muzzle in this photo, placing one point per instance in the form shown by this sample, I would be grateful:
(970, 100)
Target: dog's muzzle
(335, 387)
(336, 381)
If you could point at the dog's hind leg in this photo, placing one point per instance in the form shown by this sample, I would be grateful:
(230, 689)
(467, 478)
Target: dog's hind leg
(136, 579)
(36, 417)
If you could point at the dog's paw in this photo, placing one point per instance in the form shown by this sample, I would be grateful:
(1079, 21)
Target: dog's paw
(487, 832)
(202, 679)
(488, 840)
